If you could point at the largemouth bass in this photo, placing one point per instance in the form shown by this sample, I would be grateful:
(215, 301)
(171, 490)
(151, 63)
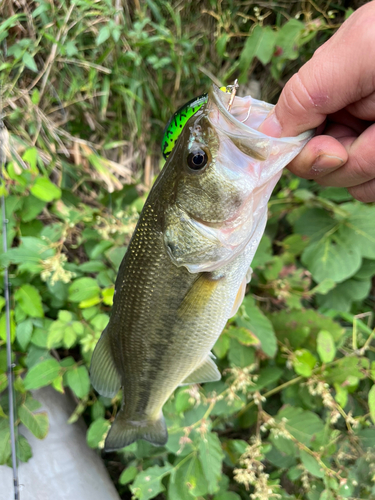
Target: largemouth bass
(186, 269)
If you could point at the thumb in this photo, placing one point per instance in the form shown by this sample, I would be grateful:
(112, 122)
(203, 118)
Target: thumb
(340, 73)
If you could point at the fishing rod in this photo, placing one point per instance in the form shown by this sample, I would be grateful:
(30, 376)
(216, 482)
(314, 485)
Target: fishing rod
(4, 146)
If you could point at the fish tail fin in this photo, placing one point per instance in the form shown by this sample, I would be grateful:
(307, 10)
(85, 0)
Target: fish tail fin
(103, 372)
(125, 431)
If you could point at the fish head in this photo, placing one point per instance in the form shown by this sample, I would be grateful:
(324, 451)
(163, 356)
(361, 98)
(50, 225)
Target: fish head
(225, 171)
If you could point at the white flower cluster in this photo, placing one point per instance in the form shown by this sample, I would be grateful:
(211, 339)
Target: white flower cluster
(53, 269)
(241, 380)
(252, 473)
(111, 225)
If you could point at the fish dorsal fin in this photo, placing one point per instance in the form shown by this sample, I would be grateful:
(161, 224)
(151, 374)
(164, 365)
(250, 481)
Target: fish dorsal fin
(206, 372)
(103, 372)
(239, 297)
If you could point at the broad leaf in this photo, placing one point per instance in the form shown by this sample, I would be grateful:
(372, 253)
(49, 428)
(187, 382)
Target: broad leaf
(42, 374)
(331, 258)
(148, 484)
(211, 457)
(78, 380)
(28, 298)
(97, 432)
(325, 346)
(37, 423)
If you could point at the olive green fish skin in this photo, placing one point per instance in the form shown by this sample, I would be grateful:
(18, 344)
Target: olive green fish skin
(186, 268)
(156, 346)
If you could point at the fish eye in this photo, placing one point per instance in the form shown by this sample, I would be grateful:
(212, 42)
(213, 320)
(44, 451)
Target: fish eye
(197, 159)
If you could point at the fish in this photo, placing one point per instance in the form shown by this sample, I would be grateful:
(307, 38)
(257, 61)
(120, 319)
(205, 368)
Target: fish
(187, 265)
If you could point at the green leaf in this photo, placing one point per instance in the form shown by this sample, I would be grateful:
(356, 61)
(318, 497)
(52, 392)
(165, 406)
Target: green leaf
(267, 45)
(314, 223)
(104, 34)
(5, 449)
(24, 452)
(304, 362)
(3, 382)
(342, 297)
(211, 456)
(31, 156)
(221, 347)
(55, 334)
(341, 395)
(188, 481)
(3, 331)
(259, 325)
(288, 38)
(97, 432)
(29, 62)
(70, 336)
(227, 495)
(267, 376)
(31, 208)
(37, 423)
(347, 369)
(24, 331)
(240, 355)
(280, 458)
(332, 259)
(311, 464)
(221, 44)
(325, 346)
(249, 52)
(263, 253)
(371, 402)
(83, 289)
(42, 374)
(303, 425)
(28, 298)
(148, 483)
(367, 270)
(243, 335)
(294, 327)
(45, 190)
(78, 380)
(359, 229)
(128, 475)
(324, 287)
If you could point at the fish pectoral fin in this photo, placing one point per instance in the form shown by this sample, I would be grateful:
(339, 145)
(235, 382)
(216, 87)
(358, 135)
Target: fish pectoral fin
(103, 372)
(239, 297)
(125, 431)
(206, 372)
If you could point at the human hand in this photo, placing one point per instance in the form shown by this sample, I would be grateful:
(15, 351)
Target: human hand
(335, 92)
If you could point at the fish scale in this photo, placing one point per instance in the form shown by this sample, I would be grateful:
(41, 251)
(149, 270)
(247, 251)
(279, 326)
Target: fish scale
(186, 268)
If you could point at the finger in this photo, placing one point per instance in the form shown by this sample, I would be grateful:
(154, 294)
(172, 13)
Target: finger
(360, 166)
(364, 108)
(364, 192)
(337, 75)
(322, 155)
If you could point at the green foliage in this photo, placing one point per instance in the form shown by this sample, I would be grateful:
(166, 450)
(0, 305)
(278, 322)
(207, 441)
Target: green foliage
(85, 103)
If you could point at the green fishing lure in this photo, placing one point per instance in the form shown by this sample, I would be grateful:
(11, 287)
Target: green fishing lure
(177, 122)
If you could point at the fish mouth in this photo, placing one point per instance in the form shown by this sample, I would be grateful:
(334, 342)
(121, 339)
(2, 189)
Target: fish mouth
(242, 122)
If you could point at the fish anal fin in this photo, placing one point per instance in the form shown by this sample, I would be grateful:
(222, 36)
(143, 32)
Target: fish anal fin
(103, 372)
(125, 431)
(206, 372)
(239, 297)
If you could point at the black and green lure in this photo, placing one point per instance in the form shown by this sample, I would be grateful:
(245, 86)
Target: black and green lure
(177, 122)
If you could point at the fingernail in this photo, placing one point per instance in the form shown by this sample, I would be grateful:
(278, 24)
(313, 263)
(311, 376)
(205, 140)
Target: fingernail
(271, 125)
(325, 163)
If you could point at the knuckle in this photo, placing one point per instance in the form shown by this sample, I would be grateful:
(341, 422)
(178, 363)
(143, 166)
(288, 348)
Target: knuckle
(364, 192)
(362, 167)
(296, 97)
